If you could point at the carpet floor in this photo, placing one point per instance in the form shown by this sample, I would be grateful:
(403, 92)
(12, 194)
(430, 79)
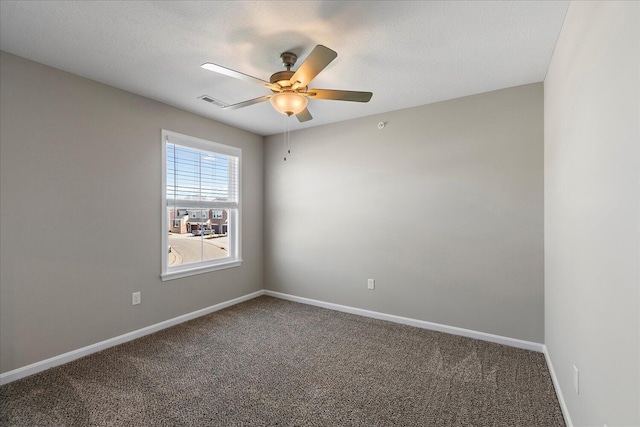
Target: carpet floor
(270, 362)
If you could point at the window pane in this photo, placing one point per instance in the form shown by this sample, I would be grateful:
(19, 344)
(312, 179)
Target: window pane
(197, 234)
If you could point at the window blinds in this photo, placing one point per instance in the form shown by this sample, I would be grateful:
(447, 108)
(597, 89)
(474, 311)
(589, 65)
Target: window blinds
(198, 178)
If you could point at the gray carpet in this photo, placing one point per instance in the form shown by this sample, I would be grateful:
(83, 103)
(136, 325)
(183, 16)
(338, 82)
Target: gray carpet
(269, 362)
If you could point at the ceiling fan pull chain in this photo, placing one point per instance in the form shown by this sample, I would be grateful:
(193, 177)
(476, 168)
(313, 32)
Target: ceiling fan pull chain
(287, 136)
(288, 119)
(284, 136)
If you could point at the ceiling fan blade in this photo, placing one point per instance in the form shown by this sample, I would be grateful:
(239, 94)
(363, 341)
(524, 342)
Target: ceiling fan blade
(317, 60)
(246, 103)
(238, 75)
(304, 116)
(339, 95)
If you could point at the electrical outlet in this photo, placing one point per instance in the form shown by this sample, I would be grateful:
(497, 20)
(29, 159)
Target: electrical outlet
(135, 298)
(576, 379)
(371, 284)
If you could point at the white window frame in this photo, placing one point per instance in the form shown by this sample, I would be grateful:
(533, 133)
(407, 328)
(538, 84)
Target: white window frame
(234, 212)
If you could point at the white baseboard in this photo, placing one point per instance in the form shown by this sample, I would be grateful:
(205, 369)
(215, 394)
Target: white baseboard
(43, 365)
(512, 342)
(556, 386)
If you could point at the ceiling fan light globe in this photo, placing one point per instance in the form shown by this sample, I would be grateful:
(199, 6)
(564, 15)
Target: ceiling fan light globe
(289, 103)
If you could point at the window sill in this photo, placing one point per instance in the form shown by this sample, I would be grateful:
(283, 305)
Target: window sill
(177, 274)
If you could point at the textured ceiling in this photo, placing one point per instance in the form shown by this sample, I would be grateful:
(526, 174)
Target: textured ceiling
(406, 53)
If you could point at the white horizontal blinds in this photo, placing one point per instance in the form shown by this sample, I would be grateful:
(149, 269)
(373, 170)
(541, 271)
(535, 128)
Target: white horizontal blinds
(197, 178)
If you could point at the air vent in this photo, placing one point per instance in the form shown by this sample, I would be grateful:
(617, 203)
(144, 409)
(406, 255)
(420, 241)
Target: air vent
(213, 101)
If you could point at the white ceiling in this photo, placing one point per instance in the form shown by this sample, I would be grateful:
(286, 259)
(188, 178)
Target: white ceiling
(407, 53)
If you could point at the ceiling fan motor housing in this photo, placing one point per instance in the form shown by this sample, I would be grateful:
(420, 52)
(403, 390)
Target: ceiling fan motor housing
(282, 78)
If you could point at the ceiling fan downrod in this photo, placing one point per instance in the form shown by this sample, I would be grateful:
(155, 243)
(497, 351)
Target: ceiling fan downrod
(288, 59)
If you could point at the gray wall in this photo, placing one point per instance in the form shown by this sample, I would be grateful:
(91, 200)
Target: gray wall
(443, 208)
(592, 217)
(80, 213)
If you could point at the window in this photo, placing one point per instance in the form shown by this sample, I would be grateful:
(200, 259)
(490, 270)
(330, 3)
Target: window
(200, 185)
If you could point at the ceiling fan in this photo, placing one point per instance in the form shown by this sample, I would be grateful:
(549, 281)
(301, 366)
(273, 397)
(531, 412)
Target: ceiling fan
(290, 89)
